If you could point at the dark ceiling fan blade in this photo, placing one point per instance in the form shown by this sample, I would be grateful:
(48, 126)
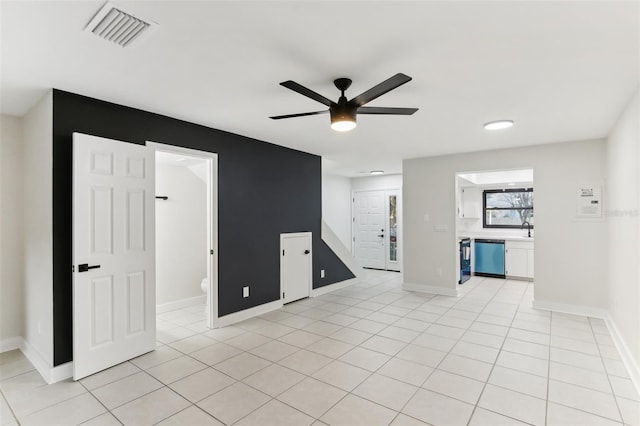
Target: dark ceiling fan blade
(384, 110)
(301, 114)
(289, 84)
(380, 89)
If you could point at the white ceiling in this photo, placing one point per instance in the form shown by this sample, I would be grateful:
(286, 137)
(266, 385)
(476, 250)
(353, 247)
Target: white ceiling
(562, 70)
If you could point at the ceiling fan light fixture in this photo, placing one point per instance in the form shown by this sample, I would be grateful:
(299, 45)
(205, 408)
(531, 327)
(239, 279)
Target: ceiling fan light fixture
(343, 126)
(343, 119)
(498, 124)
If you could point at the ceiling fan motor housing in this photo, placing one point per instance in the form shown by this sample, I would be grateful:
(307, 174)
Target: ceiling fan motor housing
(343, 111)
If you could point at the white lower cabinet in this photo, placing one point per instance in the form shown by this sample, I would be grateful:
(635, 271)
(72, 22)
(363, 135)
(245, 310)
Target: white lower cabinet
(519, 259)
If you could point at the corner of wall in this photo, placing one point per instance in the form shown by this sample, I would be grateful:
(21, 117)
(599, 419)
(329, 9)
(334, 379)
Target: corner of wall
(38, 228)
(11, 232)
(622, 211)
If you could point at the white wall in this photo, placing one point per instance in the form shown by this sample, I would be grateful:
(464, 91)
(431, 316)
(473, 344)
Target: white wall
(11, 239)
(376, 182)
(181, 234)
(38, 228)
(336, 206)
(570, 254)
(622, 208)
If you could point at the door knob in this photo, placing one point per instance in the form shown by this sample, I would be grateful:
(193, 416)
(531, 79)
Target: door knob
(85, 267)
(307, 252)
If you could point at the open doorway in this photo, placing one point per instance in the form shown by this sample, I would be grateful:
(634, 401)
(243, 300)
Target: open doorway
(495, 224)
(186, 232)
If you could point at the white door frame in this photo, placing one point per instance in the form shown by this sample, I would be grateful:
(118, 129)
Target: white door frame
(294, 235)
(387, 239)
(212, 220)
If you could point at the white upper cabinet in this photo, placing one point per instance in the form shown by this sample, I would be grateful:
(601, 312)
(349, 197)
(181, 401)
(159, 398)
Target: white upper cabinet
(470, 205)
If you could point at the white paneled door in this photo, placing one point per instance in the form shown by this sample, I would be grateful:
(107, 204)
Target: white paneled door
(296, 267)
(369, 228)
(376, 229)
(113, 253)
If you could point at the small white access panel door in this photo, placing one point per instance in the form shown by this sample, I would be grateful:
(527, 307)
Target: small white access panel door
(113, 253)
(296, 266)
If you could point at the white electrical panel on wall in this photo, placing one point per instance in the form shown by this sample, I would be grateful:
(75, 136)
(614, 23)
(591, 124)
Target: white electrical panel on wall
(589, 202)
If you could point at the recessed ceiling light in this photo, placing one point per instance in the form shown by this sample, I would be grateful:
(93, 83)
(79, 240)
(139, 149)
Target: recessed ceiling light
(498, 124)
(377, 172)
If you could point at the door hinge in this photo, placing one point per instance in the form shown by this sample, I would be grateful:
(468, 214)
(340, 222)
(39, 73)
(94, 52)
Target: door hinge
(354, 219)
(283, 252)
(283, 294)
(73, 268)
(211, 251)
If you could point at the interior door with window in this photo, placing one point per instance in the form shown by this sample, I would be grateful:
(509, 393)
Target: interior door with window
(113, 252)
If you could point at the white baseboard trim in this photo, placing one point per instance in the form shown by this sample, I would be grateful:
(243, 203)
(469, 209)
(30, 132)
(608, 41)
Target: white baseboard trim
(49, 374)
(431, 289)
(277, 304)
(567, 308)
(61, 372)
(37, 360)
(625, 353)
(10, 344)
(332, 287)
(182, 303)
(248, 313)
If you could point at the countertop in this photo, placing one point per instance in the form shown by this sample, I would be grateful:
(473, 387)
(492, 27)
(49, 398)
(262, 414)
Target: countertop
(523, 238)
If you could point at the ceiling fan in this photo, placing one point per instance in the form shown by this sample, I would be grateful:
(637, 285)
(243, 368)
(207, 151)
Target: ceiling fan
(343, 113)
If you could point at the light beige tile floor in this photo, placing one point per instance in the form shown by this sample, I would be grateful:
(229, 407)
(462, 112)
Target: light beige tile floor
(368, 354)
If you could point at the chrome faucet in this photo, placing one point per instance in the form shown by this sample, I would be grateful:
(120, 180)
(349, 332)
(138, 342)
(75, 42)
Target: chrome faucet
(528, 228)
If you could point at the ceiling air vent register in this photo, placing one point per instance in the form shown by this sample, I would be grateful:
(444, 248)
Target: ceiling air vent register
(113, 24)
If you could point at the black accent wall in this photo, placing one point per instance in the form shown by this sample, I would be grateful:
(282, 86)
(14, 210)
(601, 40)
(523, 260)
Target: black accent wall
(263, 190)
